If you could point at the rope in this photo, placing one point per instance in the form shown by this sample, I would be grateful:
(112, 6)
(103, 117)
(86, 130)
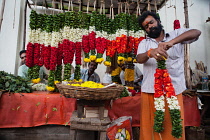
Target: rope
(69, 5)
(88, 3)
(79, 1)
(72, 7)
(94, 5)
(148, 7)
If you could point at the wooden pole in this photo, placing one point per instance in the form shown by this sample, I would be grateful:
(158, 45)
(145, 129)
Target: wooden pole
(24, 28)
(186, 51)
(2, 12)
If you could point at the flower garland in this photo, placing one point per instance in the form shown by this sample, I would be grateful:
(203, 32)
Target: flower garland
(100, 47)
(68, 54)
(58, 72)
(115, 75)
(78, 56)
(163, 84)
(110, 51)
(92, 42)
(86, 47)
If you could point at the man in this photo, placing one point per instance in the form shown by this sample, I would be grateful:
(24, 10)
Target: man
(22, 57)
(89, 74)
(158, 46)
(23, 69)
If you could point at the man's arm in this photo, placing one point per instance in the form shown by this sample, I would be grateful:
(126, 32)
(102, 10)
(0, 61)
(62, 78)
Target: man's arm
(186, 36)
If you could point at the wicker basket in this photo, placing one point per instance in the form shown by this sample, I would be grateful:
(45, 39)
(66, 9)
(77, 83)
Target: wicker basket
(90, 93)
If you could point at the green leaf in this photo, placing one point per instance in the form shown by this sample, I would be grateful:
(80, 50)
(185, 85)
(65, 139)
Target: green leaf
(7, 84)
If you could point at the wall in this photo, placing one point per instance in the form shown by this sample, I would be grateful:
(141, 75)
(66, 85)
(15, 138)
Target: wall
(11, 35)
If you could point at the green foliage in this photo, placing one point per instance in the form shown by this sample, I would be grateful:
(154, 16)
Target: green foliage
(67, 72)
(77, 73)
(51, 78)
(58, 73)
(176, 123)
(158, 122)
(124, 93)
(161, 64)
(15, 84)
(33, 20)
(33, 72)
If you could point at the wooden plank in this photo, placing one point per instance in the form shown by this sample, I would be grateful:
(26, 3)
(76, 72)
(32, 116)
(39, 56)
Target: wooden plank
(102, 135)
(74, 118)
(88, 127)
(101, 112)
(105, 121)
(73, 134)
(95, 121)
(85, 120)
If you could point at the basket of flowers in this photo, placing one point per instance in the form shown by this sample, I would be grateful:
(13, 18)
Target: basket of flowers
(90, 91)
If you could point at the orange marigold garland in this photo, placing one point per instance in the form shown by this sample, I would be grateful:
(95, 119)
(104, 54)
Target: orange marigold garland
(163, 84)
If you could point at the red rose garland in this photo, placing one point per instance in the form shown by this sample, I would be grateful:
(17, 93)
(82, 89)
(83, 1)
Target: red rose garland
(47, 54)
(100, 47)
(86, 47)
(53, 58)
(78, 56)
(58, 72)
(78, 53)
(92, 39)
(41, 60)
(30, 55)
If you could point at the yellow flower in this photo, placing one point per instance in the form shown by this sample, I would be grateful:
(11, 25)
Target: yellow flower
(129, 59)
(120, 62)
(116, 71)
(120, 58)
(35, 81)
(55, 82)
(92, 57)
(126, 59)
(99, 60)
(107, 63)
(86, 60)
(130, 87)
(129, 75)
(134, 61)
(50, 88)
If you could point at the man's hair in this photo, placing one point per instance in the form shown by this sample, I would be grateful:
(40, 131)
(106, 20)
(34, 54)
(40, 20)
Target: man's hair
(94, 62)
(21, 52)
(145, 15)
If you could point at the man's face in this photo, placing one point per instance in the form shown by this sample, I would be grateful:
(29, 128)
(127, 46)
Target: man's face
(152, 27)
(23, 58)
(92, 66)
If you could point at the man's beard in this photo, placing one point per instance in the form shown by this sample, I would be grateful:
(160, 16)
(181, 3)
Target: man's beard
(155, 31)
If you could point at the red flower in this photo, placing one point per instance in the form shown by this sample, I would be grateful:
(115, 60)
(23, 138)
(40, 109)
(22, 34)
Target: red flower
(47, 54)
(53, 58)
(78, 53)
(30, 55)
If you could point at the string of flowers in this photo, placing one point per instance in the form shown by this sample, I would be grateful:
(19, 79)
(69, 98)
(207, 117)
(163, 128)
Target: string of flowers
(109, 53)
(58, 72)
(78, 56)
(163, 84)
(115, 74)
(86, 47)
(100, 47)
(92, 40)
(68, 55)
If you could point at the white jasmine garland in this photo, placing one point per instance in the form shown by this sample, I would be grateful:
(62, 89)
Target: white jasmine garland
(48, 38)
(173, 103)
(159, 103)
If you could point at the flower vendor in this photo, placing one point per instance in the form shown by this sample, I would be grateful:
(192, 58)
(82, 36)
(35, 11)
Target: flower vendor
(162, 87)
(89, 74)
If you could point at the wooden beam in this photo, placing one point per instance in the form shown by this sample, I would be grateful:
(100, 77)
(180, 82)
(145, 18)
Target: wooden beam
(186, 51)
(24, 26)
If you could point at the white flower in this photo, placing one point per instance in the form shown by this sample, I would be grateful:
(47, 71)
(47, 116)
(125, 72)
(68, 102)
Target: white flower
(159, 103)
(173, 102)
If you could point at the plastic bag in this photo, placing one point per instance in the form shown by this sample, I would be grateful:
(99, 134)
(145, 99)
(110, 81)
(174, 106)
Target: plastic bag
(120, 129)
